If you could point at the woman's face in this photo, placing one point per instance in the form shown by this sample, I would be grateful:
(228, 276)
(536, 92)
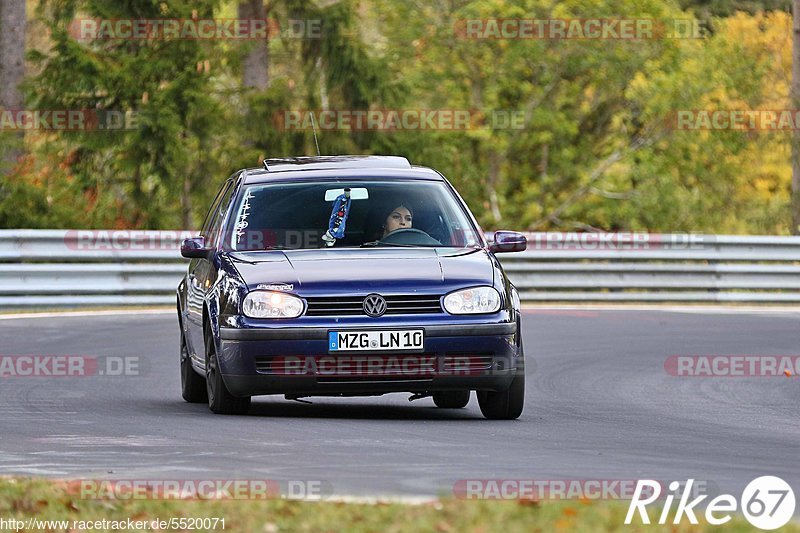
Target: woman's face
(399, 218)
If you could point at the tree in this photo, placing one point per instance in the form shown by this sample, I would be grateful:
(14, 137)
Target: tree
(796, 133)
(724, 8)
(255, 67)
(13, 22)
(141, 176)
(578, 127)
(199, 112)
(596, 151)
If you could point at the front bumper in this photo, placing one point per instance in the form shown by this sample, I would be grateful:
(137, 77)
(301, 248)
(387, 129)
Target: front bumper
(295, 361)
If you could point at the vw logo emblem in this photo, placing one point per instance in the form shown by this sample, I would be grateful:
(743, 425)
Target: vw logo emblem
(374, 305)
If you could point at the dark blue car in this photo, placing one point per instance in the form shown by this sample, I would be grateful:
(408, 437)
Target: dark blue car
(348, 276)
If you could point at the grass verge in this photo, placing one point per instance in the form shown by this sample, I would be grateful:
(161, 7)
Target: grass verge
(44, 500)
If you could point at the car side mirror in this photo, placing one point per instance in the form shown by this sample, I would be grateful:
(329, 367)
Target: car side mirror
(508, 241)
(195, 248)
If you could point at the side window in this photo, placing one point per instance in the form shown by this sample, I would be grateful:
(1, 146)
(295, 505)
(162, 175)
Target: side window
(218, 214)
(214, 209)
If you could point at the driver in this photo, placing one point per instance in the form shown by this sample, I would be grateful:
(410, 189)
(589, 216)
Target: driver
(401, 217)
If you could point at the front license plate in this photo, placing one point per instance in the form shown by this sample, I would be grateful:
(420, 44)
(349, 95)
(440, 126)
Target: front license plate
(354, 341)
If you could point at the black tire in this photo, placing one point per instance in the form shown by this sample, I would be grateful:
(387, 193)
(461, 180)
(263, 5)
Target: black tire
(451, 399)
(220, 400)
(193, 386)
(505, 405)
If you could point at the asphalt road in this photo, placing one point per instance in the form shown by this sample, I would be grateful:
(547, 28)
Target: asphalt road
(599, 405)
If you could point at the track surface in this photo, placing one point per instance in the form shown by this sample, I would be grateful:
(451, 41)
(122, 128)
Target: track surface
(599, 406)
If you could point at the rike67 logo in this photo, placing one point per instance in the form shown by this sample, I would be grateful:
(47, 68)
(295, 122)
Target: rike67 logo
(767, 503)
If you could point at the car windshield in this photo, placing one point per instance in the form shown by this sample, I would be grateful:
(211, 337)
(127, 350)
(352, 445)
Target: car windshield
(371, 214)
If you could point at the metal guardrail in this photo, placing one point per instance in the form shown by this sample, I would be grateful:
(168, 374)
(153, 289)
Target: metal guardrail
(60, 268)
(70, 268)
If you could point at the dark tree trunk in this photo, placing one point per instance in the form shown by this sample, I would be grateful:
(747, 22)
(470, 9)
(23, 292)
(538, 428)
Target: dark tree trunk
(12, 66)
(255, 68)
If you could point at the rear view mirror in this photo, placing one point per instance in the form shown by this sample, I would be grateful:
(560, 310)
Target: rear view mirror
(357, 193)
(508, 241)
(194, 248)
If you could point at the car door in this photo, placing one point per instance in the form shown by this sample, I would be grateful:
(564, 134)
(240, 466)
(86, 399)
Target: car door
(202, 273)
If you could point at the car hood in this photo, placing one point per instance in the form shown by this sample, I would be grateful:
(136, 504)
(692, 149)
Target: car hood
(358, 270)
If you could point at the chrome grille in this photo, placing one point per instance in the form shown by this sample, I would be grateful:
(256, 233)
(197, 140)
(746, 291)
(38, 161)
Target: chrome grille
(395, 305)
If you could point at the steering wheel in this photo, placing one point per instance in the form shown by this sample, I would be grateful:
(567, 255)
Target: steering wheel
(412, 236)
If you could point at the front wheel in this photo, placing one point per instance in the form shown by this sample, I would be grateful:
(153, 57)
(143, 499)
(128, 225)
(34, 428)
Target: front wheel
(220, 400)
(451, 399)
(505, 405)
(193, 386)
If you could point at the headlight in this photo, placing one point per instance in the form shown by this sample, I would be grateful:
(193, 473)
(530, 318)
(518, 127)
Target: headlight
(472, 301)
(268, 304)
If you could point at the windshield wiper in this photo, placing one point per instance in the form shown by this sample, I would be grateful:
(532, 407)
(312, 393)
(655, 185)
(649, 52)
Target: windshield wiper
(374, 244)
(267, 249)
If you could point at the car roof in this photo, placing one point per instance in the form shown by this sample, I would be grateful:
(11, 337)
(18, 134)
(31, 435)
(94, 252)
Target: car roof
(341, 166)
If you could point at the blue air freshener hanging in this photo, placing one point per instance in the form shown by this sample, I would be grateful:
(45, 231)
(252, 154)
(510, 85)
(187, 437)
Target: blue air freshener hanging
(338, 220)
